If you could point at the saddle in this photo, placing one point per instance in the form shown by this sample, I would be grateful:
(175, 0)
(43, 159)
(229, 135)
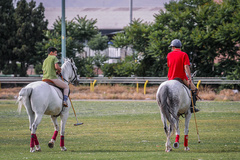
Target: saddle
(181, 81)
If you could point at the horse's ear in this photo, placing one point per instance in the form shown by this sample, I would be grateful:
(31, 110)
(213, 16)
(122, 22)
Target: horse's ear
(66, 59)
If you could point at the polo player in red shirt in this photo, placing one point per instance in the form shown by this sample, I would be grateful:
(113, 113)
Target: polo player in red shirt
(178, 64)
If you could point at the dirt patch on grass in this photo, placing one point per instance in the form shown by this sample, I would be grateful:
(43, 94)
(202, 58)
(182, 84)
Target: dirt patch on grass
(127, 92)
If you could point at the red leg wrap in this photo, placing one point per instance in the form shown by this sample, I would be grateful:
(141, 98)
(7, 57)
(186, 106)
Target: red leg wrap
(36, 140)
(32, 140)
(62, 141)
(186, 141)
(177, 138)
(55, 135)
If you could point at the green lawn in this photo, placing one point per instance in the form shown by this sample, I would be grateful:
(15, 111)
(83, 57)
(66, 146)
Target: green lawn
(123, 130)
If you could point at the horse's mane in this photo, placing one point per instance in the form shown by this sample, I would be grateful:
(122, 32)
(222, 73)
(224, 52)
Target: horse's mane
(66, 60)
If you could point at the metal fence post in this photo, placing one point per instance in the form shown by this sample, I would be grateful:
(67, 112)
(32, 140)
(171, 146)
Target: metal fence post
(92, 85)
(137, 87)
(198, 84)
(145, 85)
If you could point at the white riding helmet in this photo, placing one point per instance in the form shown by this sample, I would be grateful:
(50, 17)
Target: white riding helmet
(176, 43)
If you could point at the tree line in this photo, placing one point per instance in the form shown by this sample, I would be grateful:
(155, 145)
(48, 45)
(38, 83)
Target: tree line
(208, 31)
(25, 39)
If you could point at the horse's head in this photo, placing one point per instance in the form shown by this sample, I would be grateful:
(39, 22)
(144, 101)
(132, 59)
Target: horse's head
(76, 78)
(69, 70)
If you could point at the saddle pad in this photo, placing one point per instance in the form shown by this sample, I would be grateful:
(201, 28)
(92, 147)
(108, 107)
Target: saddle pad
(53, 86)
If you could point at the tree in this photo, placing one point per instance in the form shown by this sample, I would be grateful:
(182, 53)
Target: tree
(227, 36)
(98, 43)
(109, 69)
(7, 42)
(203, 26)
(78, 31)
(30, 24)
(85, 66)
(126, 68)
(136, 36)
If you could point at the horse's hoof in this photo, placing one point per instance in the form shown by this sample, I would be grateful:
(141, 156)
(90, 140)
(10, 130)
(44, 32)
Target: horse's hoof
(63, 148)
(50, 144)
(32, 150)
(38, 148)
(187, 149)
(176, 145)
(168, 149)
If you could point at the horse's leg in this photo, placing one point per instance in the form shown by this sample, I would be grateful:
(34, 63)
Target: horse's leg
(31, 116)
(56, 127)
(34, 140)
(167, 132)
(64, 117)
(176, 143)
(187, 119)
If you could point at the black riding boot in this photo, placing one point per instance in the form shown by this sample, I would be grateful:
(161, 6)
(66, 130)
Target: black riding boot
(194, 96)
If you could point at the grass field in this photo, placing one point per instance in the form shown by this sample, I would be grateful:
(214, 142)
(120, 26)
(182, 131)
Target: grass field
(123, 130)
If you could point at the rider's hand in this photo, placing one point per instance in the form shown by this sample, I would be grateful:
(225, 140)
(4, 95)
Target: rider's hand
(58, 71)
(189, 81)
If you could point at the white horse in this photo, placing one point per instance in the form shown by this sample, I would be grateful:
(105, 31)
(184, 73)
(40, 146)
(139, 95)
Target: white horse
(174, 99)
(40, 98)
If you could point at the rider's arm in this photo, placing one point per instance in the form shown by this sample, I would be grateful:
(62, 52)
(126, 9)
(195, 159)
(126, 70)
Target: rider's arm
(187, 69)
(57, 68)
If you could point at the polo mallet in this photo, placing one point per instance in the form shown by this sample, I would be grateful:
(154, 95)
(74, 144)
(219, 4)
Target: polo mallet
(77, 124)
(194, 115)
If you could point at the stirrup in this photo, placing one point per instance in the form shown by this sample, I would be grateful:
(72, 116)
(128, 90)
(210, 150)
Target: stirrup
(194, 97)
(65, 104)
(195, 109)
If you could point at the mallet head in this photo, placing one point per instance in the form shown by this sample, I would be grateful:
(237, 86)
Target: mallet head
(77, 124)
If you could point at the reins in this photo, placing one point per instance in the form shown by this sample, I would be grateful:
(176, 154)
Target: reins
(63, 79)
(75, 76)
(69, 95)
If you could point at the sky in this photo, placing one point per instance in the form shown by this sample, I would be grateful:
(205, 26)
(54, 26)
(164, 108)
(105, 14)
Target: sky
(101, 3)
(108, 16)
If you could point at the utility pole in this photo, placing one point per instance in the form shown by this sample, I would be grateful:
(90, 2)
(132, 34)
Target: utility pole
(63, 32)
(130, 8)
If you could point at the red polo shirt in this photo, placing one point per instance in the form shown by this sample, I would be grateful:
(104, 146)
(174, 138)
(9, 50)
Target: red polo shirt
(176, 61)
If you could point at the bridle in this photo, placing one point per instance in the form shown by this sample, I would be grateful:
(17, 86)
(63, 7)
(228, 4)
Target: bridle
(75, 76)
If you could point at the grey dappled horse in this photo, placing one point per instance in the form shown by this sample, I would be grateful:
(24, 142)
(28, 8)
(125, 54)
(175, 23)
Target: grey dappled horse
(174, 99)
(40, 98)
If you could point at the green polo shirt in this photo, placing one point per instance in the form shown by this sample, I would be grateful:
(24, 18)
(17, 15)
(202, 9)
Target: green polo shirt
(49, 71)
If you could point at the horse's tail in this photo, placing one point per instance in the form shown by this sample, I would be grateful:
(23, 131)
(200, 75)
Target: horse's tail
(165, 102)
(24, 98)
